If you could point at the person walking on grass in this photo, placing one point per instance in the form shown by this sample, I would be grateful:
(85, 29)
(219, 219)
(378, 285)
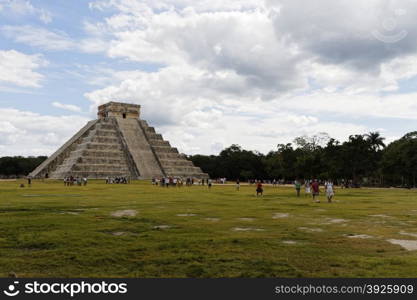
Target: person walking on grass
(316, 190)
(209, 184)
(259, 189)
(307, 188)
(329, 191)
(237, 185)
(297, 186)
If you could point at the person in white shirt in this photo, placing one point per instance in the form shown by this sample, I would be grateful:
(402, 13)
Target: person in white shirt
(329, 191)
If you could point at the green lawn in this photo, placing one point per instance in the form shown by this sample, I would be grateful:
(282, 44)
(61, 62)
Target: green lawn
(49, 230)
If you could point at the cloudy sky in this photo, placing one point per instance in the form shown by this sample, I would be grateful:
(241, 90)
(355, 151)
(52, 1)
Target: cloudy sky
(208, 73)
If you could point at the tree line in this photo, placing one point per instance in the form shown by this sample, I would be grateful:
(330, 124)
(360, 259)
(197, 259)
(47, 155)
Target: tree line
(363, 159)
(18, 166)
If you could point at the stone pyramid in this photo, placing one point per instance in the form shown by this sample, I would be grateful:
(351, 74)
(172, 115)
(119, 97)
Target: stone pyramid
(118, 143)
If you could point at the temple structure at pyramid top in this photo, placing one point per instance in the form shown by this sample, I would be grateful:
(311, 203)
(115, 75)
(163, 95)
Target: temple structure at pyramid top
(117, 144)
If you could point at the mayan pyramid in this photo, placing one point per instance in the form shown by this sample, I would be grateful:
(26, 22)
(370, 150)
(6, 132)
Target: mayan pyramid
(117, 144)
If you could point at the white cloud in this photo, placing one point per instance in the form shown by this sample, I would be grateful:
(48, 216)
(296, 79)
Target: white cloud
(27, 133)
(45, 16)
(25, 7)
(46, 39)
(342, 105)
(39, 37)
(69, 107)
(19, 69)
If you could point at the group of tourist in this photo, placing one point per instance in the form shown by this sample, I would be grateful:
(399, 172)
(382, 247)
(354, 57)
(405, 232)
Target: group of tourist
(170, 181)
(117, 180)
(71, 180)
(312, 187)
(179, 182)
(274, 182)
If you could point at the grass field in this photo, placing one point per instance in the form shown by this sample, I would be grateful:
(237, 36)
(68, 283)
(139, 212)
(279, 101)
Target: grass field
(49, 230)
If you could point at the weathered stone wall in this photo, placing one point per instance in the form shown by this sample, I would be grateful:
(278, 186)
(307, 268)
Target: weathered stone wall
(119, 110)
(56, 159)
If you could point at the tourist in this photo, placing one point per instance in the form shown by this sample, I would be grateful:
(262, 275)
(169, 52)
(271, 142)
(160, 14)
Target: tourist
(29, 181)
(297, 186)
(259, 189)
(209, 183)
(316, 190)
(237, 185)
(307, 187)
(84, 181)
(329, 191)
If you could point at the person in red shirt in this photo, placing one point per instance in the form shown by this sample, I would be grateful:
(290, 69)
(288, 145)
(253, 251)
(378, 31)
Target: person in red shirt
(259, 189)
(315, 190)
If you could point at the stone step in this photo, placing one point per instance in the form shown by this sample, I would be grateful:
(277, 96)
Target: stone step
(120, 160)
(154, 136)
(165, 149)
(182, 170)
(105, 140)
(188, 175)
(106, 133)
(144, 123)
(168, 155)
(159, 143)
(90, 174)
(105, 126)
(103, 146)
(100, 167)
(98, 153)
(175, 162)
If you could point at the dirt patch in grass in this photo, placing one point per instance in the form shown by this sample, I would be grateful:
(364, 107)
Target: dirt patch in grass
(247, 229)
(124, 213)
(290, 242)
(118, 233)
(335, 221)
(280, 215)
(359, 236)
(409, 234)
(246, 219)
(69, 213)
(159, 227)
(406, 244)
(186, 215)
(311, 229)
(122, 233)
(213, 219)
(380, 216)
